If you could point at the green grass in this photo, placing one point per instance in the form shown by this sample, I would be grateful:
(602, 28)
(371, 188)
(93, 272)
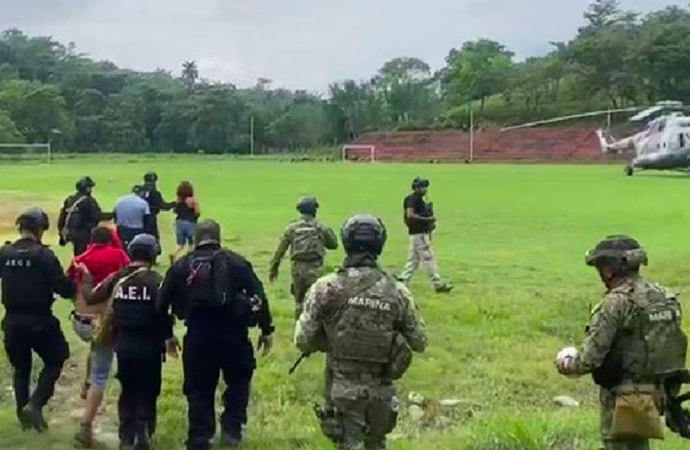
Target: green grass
(512, 238)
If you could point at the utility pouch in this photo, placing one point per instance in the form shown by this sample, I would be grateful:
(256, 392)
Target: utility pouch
(636, 413)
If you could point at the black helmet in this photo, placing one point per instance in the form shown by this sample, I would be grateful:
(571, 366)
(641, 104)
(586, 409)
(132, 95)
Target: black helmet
(420, 183)
(363, 233)
(307, 205)
(84, 184)
(33, 219)
(207, 232)
(145, 244)
(620, 250)
(150, 177)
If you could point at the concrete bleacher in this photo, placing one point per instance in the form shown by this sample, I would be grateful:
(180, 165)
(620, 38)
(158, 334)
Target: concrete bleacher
(490, 145)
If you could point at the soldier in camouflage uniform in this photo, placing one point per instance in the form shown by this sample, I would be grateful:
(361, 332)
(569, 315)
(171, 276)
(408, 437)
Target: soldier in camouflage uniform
(368, 325)
(308, 240)
(634, 338)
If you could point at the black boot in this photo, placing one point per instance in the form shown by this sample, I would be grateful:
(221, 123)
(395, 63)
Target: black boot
(34, 415)
(230, 440)
(143, 438)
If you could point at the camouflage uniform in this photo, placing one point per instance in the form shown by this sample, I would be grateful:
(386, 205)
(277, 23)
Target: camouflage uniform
(308, 240)
(352, 315)
(621, 341)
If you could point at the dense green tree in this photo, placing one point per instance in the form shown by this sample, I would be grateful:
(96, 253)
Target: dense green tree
(51, 92)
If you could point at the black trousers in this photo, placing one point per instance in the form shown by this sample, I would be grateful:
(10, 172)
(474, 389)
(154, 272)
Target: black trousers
(204, 359)
(25, 334)
(80, 240)
(140, 387)
(128, 234)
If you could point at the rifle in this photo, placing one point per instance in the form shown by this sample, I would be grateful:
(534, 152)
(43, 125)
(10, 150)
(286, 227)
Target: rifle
(677, 418)
(301, 358)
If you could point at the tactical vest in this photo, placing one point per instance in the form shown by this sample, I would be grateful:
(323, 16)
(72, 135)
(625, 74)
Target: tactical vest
(208, 280)
(661, 330)
(22, 271)
(364, 330)
(134, 301)
(306, 241)
(651, 343)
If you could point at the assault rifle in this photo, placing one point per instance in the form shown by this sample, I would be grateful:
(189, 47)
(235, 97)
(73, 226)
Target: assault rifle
(677, 418)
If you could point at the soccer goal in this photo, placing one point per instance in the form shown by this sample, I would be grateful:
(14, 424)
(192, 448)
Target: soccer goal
(37, 153)
(359, 153)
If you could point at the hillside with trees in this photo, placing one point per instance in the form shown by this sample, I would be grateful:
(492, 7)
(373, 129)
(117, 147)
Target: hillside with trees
(51, 92)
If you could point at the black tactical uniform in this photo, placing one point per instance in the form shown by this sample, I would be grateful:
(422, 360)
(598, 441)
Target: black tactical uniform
(141, 327)
(220, 297)
(31, 274)
(80, 213)
(156, 203)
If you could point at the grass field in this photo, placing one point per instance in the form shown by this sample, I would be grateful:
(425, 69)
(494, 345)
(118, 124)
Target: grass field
(511, 238)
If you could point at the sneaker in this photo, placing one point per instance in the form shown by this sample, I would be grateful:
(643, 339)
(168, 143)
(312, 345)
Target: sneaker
(84, 438)
(444, 288)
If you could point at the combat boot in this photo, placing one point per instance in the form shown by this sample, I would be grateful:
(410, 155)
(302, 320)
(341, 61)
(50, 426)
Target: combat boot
(34, 415)
(142, 441)
(443, 288)
(84, 438)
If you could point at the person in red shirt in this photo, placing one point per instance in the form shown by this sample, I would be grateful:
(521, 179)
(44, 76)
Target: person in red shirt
(102, 258)
(115, 237)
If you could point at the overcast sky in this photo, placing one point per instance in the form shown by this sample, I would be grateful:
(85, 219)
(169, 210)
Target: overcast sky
(300, 44)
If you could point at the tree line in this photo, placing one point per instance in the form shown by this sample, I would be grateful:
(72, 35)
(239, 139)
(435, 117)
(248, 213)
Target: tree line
(51, 92)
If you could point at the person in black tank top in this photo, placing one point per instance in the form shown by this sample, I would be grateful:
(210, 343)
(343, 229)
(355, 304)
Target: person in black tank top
(186, 216)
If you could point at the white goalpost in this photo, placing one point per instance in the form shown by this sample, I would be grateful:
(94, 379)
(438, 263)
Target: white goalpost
(367, 152)
(25, 152)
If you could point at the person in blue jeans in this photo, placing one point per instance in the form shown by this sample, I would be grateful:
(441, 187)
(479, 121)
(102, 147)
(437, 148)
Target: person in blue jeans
(187, 213)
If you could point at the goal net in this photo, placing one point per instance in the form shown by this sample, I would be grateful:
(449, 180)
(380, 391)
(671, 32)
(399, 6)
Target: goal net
(359, 153)
(25, 153)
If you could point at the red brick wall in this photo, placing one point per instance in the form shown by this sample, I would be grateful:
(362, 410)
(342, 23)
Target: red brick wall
(530, 144)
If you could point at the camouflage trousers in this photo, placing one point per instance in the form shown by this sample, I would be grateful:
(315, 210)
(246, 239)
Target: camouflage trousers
(608, 401)
(420, 252)
(359, 419)
(304, 274)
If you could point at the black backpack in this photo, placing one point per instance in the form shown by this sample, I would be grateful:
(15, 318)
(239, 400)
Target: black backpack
(208, 280)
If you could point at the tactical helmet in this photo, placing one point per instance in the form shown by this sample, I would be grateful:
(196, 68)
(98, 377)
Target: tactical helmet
(84, 184)
(146, 244)
(150, 177)
(307, 205)
(618, 249)
(420, 183)
(363, 233)
(33, 219)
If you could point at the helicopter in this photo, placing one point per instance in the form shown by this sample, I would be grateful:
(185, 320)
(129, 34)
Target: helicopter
(661, 140)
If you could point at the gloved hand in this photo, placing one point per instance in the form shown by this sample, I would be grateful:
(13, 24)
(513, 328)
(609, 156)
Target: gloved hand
(565, 360)
(62, 242)
(265, 343)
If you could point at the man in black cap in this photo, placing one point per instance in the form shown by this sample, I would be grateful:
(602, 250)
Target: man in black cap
(218, 295)
(152, 195)
(80, 213)
(31, 274)
(419, 218)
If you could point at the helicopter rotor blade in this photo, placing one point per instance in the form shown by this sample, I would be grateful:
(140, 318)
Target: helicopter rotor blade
(571, 117)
